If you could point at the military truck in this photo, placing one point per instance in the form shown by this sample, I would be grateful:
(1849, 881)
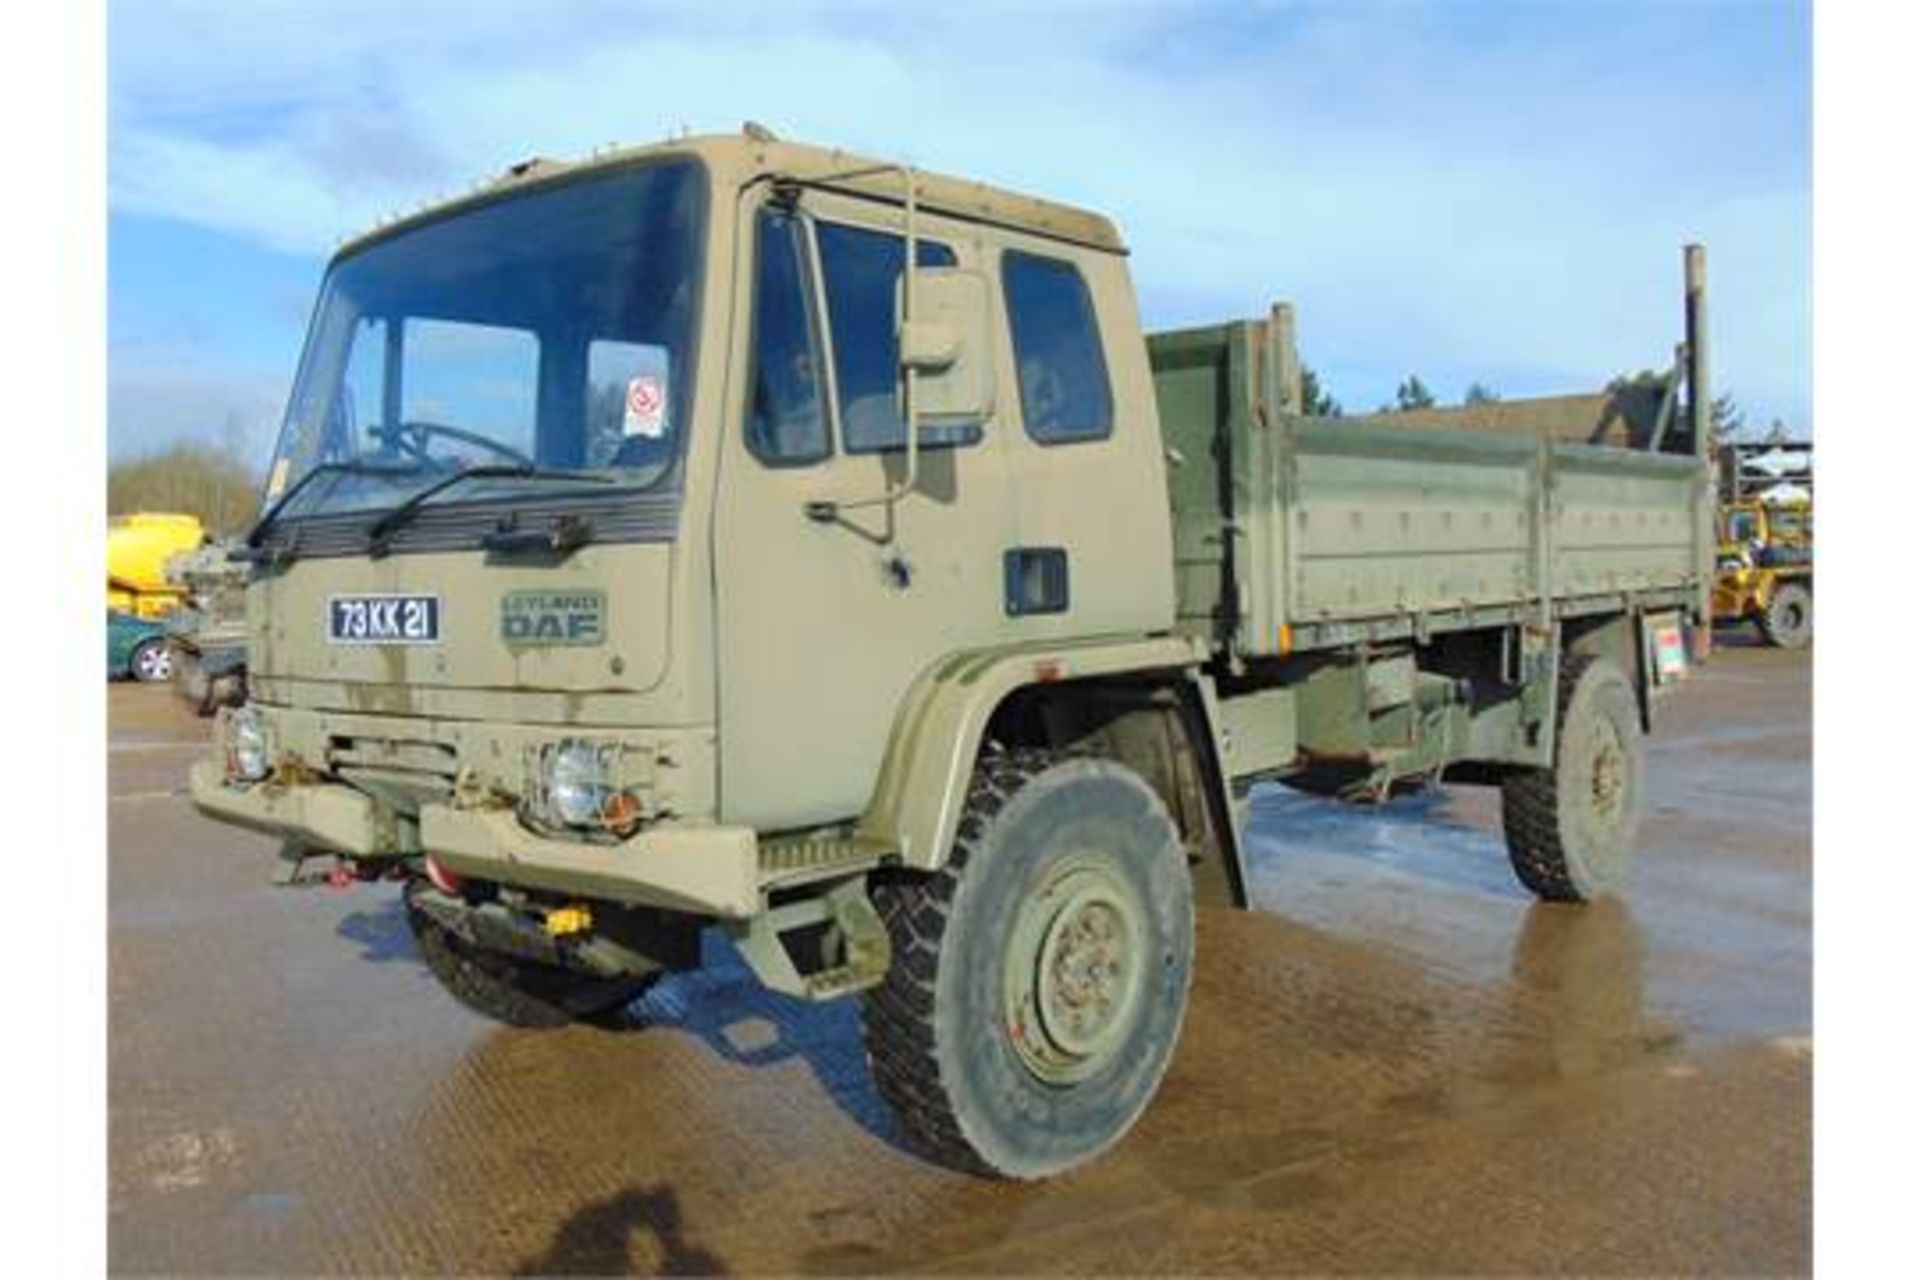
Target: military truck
(738, 534)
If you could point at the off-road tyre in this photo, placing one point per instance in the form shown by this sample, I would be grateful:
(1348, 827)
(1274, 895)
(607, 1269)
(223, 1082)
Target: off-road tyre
(1787, 621)
(1041, 839)
(517, 992)
(1570, 830)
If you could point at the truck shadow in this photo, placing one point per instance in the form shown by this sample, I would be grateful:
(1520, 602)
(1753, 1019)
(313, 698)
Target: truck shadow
(381, 932)
(724, 1005)
(1409, 835)
(599, 1239)
(721, 1003)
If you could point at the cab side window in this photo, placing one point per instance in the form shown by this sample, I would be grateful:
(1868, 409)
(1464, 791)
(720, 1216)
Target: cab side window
(786, 409)
(862, 270)
(1064, 395)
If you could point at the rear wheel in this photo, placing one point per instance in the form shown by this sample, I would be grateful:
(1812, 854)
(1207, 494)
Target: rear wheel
(520, 993)
(1039, 980)
(1787, 622)
(151, 662)
(1570, 829)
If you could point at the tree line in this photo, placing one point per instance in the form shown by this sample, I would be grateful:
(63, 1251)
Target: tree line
(1729, 420)
(1411, 394)
(213, 482)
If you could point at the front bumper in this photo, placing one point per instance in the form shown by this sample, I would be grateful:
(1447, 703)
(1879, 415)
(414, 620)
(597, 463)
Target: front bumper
(708, 870)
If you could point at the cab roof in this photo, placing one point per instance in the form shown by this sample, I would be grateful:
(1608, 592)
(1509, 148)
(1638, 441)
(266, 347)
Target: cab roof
(754, 153)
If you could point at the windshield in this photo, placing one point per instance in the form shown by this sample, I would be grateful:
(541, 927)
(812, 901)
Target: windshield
(549, 330)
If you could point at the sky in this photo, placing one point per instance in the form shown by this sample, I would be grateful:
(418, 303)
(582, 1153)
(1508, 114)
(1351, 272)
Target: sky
(1474, 191)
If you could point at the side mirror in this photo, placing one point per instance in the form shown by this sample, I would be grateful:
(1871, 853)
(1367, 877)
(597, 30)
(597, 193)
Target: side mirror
(947, 342)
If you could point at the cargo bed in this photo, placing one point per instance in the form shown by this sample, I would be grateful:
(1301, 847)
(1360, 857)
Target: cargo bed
(1295, 532)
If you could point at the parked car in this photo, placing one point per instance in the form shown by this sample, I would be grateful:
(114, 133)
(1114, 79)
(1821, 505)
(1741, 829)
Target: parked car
(137, 647)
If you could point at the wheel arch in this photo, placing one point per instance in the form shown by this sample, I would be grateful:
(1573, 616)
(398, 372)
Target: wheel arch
(1142, 701)
(1620, 638)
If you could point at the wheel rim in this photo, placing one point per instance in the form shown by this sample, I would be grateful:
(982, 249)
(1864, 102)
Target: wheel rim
(152, 662)
(1074, 973)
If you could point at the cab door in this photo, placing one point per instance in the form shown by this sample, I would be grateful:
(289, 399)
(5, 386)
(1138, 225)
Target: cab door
(828, 610)
(1082, 433)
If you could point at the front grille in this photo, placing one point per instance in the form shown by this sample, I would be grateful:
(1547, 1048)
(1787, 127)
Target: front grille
(642, 517)
(393, 755)
(401, 775)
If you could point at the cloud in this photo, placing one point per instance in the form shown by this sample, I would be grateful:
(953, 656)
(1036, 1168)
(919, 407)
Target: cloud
(1438, 187)
(151, 405)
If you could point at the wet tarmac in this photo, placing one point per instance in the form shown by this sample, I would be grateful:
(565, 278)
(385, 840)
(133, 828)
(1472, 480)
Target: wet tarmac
(1399, 1063)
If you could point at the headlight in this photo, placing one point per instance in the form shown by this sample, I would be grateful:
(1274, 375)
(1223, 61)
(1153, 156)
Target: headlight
(249, 748)
(575, 784)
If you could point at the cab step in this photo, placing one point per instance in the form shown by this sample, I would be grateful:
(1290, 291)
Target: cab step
(793, 860)
(849, 948)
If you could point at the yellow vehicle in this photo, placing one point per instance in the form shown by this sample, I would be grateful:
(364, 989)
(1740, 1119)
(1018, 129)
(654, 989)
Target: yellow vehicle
(1764, 571)
(138, 548)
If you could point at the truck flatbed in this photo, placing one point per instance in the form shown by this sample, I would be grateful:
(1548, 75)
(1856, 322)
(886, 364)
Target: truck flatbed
(1293, 532)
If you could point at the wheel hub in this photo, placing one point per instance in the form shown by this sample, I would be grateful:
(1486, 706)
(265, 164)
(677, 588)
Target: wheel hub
(1074, 973)
(155, 663)
(1609, 775)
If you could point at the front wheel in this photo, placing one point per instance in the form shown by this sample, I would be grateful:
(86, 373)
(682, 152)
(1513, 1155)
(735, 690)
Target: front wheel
(520, 993)
(1039, 980)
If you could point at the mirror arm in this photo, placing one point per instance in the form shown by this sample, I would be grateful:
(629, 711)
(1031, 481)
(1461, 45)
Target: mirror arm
(906, 484)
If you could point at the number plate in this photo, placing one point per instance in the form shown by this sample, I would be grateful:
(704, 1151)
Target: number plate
(385, 619)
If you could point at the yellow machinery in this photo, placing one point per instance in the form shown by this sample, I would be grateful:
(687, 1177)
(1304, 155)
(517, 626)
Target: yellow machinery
(1764, 573)
(138, 548)
(1764, 570)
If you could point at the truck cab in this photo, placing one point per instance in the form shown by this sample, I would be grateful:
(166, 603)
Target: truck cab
(599, 411)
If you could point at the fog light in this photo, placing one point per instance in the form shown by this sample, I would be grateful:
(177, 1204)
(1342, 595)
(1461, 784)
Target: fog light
(249, 748)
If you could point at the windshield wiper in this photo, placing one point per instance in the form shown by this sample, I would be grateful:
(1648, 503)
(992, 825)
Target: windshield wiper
(381, 530)
(249, 549)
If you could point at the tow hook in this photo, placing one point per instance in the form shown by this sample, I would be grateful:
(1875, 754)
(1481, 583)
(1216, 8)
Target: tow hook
(564, 922)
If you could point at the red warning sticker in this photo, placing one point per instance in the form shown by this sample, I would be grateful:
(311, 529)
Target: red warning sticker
(646, 406)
